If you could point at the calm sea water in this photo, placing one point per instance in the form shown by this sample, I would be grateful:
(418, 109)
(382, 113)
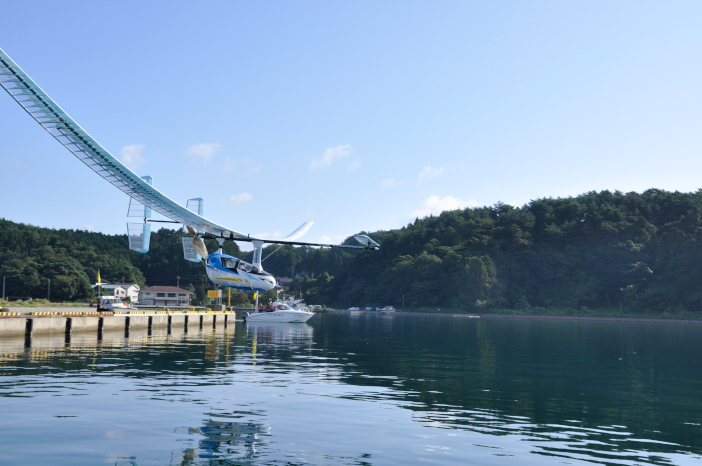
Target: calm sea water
(359, 390)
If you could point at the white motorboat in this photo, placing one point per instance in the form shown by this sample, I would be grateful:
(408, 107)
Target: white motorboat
(297, 304)
(111, 304)
(281, 313)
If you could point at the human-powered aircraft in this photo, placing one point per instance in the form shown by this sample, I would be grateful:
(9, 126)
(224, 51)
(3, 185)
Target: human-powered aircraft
(222, 269)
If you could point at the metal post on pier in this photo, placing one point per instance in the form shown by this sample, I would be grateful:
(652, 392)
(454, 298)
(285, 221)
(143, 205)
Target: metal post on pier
(48, 290)
(3, 288)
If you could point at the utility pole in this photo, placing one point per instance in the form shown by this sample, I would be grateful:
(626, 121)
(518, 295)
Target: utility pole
(3, 288)
(48, 290)
(178, 281)
(403, 303)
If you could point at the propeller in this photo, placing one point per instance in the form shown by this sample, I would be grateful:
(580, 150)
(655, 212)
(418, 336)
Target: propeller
(198, 243)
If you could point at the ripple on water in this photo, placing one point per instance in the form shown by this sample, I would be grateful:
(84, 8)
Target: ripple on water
(363, 391)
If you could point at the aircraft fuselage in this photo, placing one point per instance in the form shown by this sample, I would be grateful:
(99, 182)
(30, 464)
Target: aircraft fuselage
(228, 271)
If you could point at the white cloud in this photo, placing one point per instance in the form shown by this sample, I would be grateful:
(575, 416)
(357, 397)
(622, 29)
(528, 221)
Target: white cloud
(434, 205)
(15, 164)
(238, 199)
(89, 226)
(229, 165)
(390, 183)
(430, 172)
(330, 155)
(132, 157)
(203, 152)
(355, 166)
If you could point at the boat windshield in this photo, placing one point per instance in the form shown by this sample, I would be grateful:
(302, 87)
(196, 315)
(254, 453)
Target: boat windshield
(111, 300)
(281, 307)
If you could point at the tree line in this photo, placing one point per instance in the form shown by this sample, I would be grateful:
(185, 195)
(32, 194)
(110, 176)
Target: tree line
(629, 252)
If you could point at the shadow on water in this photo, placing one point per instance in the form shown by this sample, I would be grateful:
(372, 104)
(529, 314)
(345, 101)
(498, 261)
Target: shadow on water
(580, 392)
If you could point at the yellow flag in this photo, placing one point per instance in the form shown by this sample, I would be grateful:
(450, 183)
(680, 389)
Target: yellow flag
(255, 294)
(99, 281)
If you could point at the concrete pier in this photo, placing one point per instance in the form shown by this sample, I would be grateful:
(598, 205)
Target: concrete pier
(10, 327)
(65, 327)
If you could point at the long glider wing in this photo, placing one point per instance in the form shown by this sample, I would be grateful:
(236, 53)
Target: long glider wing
(52, 118)
(74, 138)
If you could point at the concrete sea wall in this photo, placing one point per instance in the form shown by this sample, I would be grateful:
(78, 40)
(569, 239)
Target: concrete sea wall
(65, 325)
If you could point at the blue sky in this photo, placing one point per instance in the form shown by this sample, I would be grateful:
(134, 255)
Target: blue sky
(357, 115)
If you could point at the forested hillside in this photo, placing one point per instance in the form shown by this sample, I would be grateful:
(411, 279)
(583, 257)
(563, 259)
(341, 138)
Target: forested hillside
(631, 252)
(30, 256)
(608, 250)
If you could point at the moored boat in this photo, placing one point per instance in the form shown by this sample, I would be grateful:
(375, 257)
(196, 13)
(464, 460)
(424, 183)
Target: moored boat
(281, 313)
(111, 304)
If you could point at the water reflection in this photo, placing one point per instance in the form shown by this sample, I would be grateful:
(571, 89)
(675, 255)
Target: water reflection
(360, 389)
(290, 335)
(227, 435)
(587, 391)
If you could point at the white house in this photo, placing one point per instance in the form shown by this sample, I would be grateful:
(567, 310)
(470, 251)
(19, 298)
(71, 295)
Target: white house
(166, 296)
(124, 290)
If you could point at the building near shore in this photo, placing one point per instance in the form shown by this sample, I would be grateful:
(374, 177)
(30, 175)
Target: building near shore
(123, 290)
(166, 296)
(284, 281)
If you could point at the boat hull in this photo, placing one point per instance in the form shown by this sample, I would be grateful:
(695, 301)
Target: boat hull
(279, 316)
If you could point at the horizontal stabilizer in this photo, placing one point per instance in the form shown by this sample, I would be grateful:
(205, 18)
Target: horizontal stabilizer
(139, 236)
(366, 241)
